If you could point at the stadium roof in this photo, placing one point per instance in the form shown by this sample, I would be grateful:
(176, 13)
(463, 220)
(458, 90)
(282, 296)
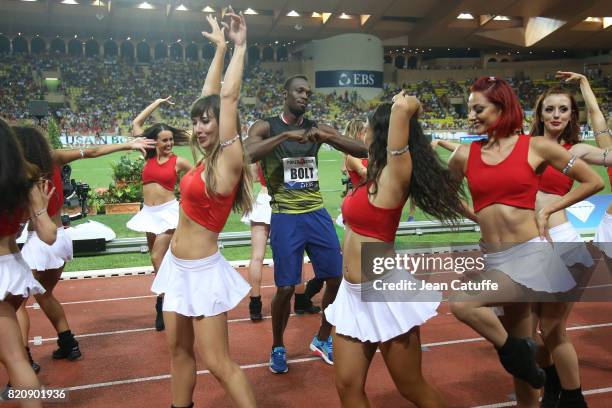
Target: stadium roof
(413, 23)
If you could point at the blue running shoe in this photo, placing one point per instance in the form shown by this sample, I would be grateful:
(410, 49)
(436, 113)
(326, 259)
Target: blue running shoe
(278, 360)
(323, 349)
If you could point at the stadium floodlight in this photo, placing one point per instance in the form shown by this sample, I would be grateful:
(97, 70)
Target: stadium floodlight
(98, 3)
(29, 0)
(145, 6)
(315, 15)
(208, 9)
(501, 18)
(181, 8)
(593, 20)
(250, 12)
(293, 13)
(345, 16)
(364, 18)
(325, 17)
(69, 2)
(607, 22)
(465, 16)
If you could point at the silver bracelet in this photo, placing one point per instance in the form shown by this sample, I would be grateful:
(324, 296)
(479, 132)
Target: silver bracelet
(605, 154)
(230, 141)
(601, 132)
(569, 165)
(398, 152)
(39, 213)
(82, 153)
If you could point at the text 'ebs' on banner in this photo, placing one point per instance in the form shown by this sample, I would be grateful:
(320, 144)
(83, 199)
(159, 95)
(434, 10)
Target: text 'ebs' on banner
(348, 79)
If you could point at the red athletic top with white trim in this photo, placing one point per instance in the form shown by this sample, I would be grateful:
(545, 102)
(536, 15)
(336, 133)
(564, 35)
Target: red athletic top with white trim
(163, 174)
(11, 224)
(56, 202)
(553, 181)
(368, 220)
(260, 175)
(610, 175)
(354, 176)
(511, 182)
(209, 212)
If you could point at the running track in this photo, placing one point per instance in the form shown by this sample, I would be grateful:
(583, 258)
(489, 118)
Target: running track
(125, 361)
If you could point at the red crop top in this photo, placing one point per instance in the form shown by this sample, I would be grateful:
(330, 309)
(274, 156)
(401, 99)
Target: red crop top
(354, 176)
(553, 181)
(260, 175)
(12, 224)
(511, 182)
(610, 175)
(163, 174)
(368, 220)
(209, 212)
(56, 202)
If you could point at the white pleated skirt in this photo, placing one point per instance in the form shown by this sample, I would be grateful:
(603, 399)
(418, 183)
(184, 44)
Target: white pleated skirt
(16, 277)
(378, 320)
(533, 264)
(156, 219)
(603, 236)
(569, 245)
(200, 287)
(41, 257)
(261, 212)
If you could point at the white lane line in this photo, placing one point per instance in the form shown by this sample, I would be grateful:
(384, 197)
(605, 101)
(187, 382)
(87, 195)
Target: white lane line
(79, 302)
(167, 376)
(513, 403)
(244, 319)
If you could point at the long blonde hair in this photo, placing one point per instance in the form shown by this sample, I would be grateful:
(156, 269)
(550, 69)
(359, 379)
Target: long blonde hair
(353, 128)
(244, 196)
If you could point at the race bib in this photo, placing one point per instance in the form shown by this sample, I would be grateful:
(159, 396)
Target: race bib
(300, 172)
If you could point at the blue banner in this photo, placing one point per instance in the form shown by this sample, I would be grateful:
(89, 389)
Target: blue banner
(348, 79)
(471, 138)
(587, 214)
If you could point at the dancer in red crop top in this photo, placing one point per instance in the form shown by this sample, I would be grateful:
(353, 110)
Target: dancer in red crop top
(501, 173)
(200, 286)
(48, 261)
(401, 164)
(23, 197)
(557, 119)
(159, 215)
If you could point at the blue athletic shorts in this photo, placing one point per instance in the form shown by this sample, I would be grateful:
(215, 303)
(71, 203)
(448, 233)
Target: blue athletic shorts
(313, 232)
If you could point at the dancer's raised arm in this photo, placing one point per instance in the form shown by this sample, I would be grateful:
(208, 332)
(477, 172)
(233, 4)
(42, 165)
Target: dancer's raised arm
(212, 84)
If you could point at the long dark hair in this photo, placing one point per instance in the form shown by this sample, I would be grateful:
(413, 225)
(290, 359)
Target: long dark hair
(17, 176)
(153, 132)
(36, 148)
(432, 186)
(571, 133)
(211, 104)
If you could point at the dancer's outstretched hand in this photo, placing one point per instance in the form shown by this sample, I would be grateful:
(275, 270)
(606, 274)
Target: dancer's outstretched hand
(237, 29)
(164, 100)
(570, 76)
(142, 144)
(217, 34)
